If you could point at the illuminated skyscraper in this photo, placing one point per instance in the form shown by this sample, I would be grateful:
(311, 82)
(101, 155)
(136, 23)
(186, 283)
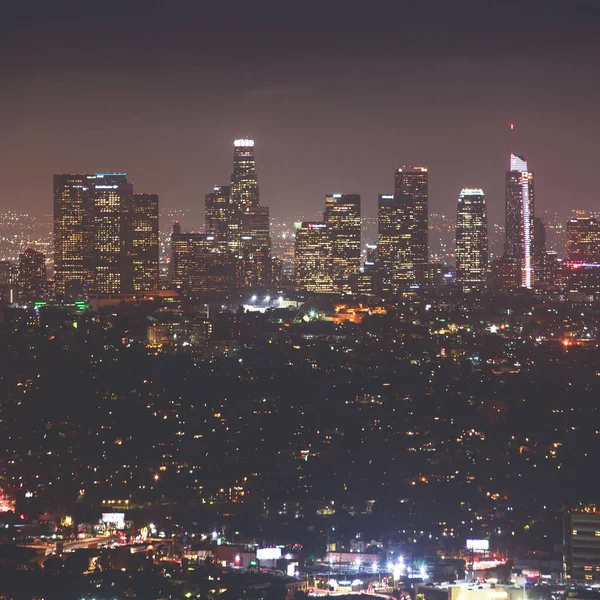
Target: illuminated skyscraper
(73, 236)
(200, 264)
(342, 215)
(110, 197)
(583, 240)
(105, 236)
(312, 258)
(394, 241)
(412, 182)
(31, 276)
(218, 211)
(244, 182)
(519, 218)
(142, 243)
(471, 240)
(254, 268)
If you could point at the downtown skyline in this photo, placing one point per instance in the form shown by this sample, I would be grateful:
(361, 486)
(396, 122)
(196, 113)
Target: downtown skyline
(177, 110)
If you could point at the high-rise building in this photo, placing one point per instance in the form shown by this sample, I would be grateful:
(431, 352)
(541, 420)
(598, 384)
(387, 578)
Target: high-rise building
(583, 240)
(8, 284)
(73, 235)
(394, 241)
(581, 544)
(219, 211)
(471, 240)
(413, 182)
(312, 257)
(519, 218)
(105, 236)
(342, 215)
(111, 192)
(142, 243)
(254, 268)
(200, 264)
(244, 181)
(31, 276)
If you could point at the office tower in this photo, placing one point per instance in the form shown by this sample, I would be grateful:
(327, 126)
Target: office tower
(312, 258)
(539, 254)
(142, 243)
(276, 272)
(7, 282)
(110, 192)
(254, 268)
(505, 273)
(581, 546)
(394, 241)
(199, 264)
(105, 236)
(412, 183)
(471, 240)
(342, 215)
(244, 182)
(583, 240)
(220, 213)
(73, 236)
(31, 276)
(519, 218)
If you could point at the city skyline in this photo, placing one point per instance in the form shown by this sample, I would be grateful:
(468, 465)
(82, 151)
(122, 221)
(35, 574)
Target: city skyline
(309, 143)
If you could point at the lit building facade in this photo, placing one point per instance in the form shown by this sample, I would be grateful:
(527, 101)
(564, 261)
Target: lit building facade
(73, 235)
(412, 183)
(110, 192)
(519, 218)
(244, 181)
(312, 258)
(199, 264)
(31, 275)
(471, 240)
(219, 212)
(105, 236)
(254, 256)
(394, 241)
(583, 240)
(581, 536)
(142, 243)
(342, 216)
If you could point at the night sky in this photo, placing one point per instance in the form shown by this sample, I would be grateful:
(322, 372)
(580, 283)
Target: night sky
(335, 97)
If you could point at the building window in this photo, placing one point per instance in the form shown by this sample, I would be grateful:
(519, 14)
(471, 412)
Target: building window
(574, 531)
(588, 568)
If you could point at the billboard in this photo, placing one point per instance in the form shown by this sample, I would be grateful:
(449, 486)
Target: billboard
(268, 553)
(478, 545)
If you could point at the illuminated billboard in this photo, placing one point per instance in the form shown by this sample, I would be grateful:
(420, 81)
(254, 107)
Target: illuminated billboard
(268, 553)
(478, 545)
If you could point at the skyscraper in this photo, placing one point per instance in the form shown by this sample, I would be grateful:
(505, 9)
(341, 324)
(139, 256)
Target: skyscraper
(394, 241)
(471, 240)
(110, 193)
(248, 221)
(342, 215)
(255, 248)
(200, 264)
(105, 236)
(73, 236)
(519, 218)
(244, 182)
(219, 211)
(142, 243)
(31, 276)
(312, 257)
(412, 182)
(583, 240)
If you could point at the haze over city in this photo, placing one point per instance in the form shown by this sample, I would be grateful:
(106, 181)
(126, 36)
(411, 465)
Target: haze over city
(335, 103)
